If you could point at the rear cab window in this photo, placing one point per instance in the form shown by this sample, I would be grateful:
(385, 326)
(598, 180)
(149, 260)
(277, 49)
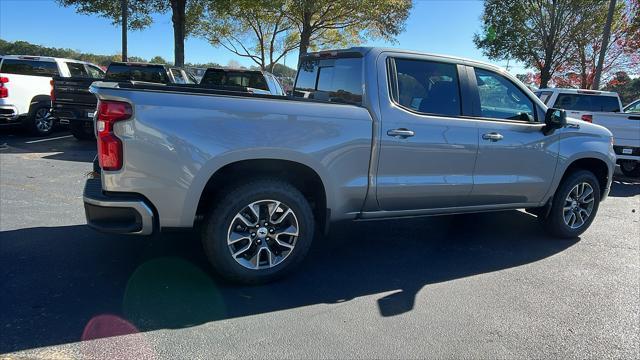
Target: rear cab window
(223, 77)
(586, 102)
(137, 72)
(332, 80)
(31, 67)
(77, 69)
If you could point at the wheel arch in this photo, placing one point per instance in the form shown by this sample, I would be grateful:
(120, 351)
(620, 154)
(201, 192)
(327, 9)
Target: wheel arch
(302, 176)
(39, 99)
(595, 164)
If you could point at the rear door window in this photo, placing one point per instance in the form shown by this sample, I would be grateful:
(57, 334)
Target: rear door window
(94, 72)
(585, 102)
(427, 87)
(29, 67)
(77, 69)
(332, 80)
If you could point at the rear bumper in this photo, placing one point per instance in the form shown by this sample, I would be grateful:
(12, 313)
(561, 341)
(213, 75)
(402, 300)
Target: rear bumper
(117, 213)
(627, 152)
(67, 114)
(8, 114)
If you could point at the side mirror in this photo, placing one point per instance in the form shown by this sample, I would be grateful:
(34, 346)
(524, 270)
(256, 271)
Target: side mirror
(554, 119)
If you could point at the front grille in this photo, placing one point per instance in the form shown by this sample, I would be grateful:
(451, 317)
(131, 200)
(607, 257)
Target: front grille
(635, 151)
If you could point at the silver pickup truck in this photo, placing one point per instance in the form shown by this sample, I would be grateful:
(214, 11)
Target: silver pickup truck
(369, 133)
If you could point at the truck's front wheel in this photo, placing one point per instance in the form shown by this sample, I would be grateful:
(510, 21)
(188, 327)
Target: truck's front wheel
(574, 206)
(258, 231)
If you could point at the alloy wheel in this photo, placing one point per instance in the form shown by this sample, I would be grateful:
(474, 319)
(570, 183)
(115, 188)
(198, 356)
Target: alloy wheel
(578, 205)
(262, 234)
(43, 120)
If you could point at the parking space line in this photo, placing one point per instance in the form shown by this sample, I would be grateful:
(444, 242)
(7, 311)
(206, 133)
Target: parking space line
(49, 139)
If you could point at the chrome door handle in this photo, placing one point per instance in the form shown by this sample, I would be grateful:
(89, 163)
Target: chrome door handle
(493, 136)
(401, 133)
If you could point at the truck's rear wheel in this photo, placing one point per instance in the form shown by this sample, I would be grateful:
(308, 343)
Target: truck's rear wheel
(82, 130)
(630, 168)
(574, 206)
(39, 120)
(258, 232)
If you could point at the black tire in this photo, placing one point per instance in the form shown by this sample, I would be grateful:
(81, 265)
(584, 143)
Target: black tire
(555, 223)
(32, 122)
(219, 220)
(630, 168)
(82, 130)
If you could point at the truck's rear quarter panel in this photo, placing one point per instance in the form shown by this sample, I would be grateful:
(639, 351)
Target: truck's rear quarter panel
(176, 142)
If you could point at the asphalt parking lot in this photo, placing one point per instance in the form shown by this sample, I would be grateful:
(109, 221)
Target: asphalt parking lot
(472, 286)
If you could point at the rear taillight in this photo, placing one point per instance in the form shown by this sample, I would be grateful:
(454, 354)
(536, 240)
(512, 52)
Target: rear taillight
(587, 118)
(52, 95)
(109, 146)
(4, 92)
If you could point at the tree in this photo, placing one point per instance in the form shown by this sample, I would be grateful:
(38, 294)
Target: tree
(136, 17)
(605, 43)
(323, 23)
(185, 14)
(535, 32)
(158, 60)
(627, 88)
(257, 30)
(621, 53)
(266, 31)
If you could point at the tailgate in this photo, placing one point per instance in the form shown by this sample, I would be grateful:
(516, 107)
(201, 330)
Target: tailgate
(73, 91)
(624, 127)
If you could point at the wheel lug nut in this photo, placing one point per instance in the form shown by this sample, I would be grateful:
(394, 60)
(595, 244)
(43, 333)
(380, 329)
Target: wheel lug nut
(253, 234)
(258, 241)
(266, 224)
(270, 230)
(257, 226)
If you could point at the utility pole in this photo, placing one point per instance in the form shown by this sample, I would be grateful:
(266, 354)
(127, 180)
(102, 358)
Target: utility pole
(605, 43)
(124, 9)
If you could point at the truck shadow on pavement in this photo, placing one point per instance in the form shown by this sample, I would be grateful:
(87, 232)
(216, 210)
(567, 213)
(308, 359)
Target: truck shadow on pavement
(57, 146)
(624, 187)
(67, 284)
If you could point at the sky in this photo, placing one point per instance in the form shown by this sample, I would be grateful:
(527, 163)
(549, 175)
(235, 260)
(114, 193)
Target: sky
(435, 26)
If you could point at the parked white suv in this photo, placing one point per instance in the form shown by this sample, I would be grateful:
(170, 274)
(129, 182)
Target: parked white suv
(603, 108)
(25, 88)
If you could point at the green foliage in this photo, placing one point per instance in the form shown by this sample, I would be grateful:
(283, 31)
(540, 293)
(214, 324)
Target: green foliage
(25, 48)
(327, 23)
(265, 31)
(256, 30)
(158, 60)
(538, 33)
(139, 13)
(280, 70)
(627, 88)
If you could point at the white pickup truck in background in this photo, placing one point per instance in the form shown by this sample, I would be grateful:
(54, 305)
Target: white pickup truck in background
(25, 88)
(603, 108)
